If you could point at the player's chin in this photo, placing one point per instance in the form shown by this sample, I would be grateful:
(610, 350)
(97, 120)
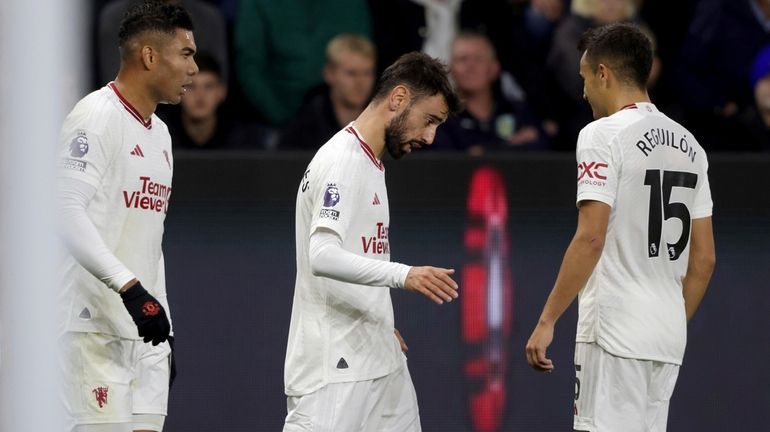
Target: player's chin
(409, 147)
(175, 100)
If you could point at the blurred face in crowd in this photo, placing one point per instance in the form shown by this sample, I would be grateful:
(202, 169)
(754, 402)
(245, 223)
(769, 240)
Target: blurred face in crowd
(203, 96)
(175, 66)
(350, 78)
(593, 87)
(415, 126)
(473, 66)
(610, 11)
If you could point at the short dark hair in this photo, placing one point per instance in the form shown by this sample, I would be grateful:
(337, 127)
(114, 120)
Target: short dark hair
(207, 63)
(152, 16)
(623, 47)
(423, 75)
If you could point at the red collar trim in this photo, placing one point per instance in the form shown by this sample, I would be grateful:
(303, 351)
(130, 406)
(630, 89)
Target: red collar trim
(629, 106)
(130, 108)
(368, 150)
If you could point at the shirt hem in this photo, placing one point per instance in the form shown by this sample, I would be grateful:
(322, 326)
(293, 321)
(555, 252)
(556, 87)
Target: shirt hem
(351, 378)
(637, 356)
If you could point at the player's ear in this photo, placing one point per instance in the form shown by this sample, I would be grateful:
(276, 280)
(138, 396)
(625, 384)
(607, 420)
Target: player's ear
(149, 57)
(603, 73)
(399, 98)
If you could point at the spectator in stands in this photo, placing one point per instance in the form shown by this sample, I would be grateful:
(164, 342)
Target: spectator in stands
(430, 26)
(196, 123)
(279, 49)
(754, 122)
(570, 110)
(724, 37)
(715, 64)
(541, 18)
(210, 35)
(349, 74)
(489, 121)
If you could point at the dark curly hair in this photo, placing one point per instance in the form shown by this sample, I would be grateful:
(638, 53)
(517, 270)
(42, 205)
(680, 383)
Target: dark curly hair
(423, 75)
(152, 16)
(623, 47)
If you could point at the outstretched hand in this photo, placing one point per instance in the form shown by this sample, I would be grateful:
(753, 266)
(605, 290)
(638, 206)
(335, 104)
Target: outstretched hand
(537, 345)
(433, 282)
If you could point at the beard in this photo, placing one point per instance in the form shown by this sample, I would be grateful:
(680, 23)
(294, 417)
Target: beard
(395, 135)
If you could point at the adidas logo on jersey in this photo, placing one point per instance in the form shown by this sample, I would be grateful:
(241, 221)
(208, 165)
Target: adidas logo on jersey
(137, 151)
(376, 200)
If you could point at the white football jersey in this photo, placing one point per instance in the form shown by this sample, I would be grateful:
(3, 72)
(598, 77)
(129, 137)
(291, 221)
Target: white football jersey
(108, 145)
(339, 331)
(653, 173)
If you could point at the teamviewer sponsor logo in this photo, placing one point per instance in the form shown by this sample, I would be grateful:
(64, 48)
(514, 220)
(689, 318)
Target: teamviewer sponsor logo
(378, 243)
(151, 196)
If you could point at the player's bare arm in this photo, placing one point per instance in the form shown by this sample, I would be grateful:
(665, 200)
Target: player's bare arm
(128, 285)
(700, 265)
(579, 261)
(434, 283)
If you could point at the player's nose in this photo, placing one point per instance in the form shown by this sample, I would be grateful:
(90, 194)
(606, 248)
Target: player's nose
(429, 135)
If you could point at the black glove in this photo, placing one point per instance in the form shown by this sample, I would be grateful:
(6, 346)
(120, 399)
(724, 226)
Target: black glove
(172, 363)
(148, 315)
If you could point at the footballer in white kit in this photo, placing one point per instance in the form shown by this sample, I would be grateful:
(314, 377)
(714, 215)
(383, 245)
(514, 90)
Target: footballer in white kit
(121, 167)
(345, 370)
(343, 191)
(114, 186)
(643, 252)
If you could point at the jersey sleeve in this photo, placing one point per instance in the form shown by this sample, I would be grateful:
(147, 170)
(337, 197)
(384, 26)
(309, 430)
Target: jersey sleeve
(335, 200)
(81, 237)
(328, 259)
(85, 156)
(702, 206)
(597, 168)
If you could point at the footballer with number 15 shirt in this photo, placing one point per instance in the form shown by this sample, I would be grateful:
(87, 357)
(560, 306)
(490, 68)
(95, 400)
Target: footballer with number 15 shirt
(643, 252)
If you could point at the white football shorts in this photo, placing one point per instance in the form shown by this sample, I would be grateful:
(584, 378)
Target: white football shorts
(620, 394)
(110, 380)
(386, 404)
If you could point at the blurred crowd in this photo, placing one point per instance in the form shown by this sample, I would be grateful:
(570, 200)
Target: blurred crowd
(287, 75)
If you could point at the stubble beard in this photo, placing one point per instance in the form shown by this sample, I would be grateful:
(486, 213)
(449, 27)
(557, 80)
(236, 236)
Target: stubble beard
(394, 135)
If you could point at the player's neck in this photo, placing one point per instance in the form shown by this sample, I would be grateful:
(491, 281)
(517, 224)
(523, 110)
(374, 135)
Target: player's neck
(626, 98)
(137, 95)
(372, 128)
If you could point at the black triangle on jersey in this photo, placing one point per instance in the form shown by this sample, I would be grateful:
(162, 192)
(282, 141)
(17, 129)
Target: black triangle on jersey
(342, 364)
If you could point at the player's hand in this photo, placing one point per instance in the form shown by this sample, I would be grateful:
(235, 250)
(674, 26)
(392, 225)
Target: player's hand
(148, 315)
(401, 342)
(537, 345)
(432, 282)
